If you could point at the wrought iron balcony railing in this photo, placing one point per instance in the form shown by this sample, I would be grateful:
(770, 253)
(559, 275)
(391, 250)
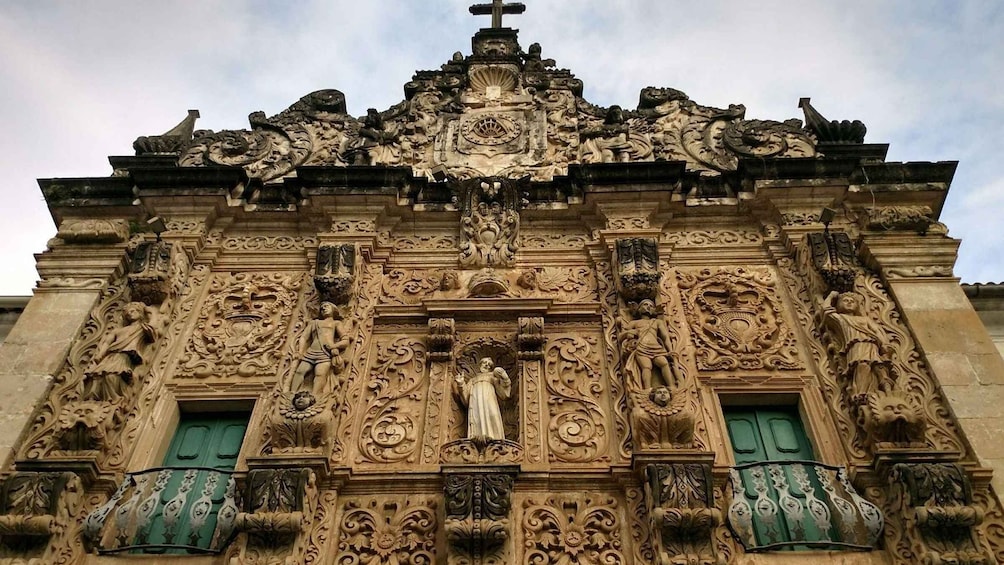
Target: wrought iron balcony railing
(166, 510)
(800, 505)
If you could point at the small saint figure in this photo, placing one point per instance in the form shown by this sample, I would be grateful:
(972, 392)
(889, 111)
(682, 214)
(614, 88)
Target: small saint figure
(481, 394)
(120, 352)
(610, 142)
(645, 346)
(867, 355)
(322, 352)
(375, 143)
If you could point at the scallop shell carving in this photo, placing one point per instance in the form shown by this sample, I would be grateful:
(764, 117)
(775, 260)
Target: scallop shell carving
(484, 77)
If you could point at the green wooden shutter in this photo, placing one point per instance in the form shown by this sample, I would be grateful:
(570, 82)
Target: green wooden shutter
(210, 440)
(772, 434)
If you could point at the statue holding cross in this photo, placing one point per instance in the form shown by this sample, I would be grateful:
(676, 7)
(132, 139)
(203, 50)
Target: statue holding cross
(497, 8)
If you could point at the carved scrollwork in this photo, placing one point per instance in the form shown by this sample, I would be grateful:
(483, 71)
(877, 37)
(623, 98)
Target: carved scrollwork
(379, 530)
(584, 529)
(889, 218)
(577, 427)
(396, 393)
(489, 223)
(242, 325)
(737, 320)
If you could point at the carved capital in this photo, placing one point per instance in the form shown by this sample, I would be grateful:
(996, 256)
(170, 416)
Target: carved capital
(440, 339)
(531, 338)
(477, 511)
(278, 505)
(680, 499)
(833, 257)
(335, 272)
(637, 268)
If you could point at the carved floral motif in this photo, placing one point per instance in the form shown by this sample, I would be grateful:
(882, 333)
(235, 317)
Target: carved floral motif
(574, 529)
(384, 530)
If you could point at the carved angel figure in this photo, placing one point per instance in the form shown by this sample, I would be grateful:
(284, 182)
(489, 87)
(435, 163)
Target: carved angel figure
(867, 355)
(645, 345)
(120, 352)
(322, 351)
(610, 142)
(481, 393)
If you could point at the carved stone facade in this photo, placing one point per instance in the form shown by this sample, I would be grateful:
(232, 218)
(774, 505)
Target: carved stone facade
(496, 323)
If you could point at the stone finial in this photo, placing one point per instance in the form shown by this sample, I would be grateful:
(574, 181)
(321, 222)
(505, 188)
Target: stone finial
(170, 142)
(831, 131)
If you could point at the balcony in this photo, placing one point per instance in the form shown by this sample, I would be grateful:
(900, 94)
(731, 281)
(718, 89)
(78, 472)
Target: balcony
(166, 510)
(780, 505)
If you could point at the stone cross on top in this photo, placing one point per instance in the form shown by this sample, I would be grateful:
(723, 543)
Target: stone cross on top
(496, 9)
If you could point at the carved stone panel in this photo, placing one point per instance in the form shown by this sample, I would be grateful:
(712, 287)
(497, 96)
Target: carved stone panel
(388, 529)
(578, 427)
(582, 528)
(737, 321)
(478, 517)
(242, 326)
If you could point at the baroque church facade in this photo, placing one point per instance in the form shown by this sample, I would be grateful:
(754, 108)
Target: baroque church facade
(498, 324)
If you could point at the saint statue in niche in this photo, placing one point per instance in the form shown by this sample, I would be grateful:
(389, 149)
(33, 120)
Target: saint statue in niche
(866, 364)
(481, 393)
(645, 346)
(120, 352)
(322, 351)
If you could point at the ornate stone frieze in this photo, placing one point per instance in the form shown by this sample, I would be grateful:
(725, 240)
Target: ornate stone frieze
(736, 319)
(561, 284)
(242, 326)
(583, 528)
(888, 218)
(477, 517)
(387, 529)
(489, 222)
(712, 237)
(941, 523)
(638, 268)
(80, 230)
(266, 243)
(335, 272)
(682, 512)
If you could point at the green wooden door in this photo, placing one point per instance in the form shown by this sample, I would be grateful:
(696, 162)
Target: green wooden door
(193, 490)
(775, 434)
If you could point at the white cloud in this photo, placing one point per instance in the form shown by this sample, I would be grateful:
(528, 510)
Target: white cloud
(81, 80)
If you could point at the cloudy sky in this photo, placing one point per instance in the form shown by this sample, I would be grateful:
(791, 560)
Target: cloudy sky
(81, 80)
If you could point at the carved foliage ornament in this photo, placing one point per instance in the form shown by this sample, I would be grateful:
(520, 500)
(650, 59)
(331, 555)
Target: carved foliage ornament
(396, 393)
(737, 320)
(682, 511)
(581, 529)
(638, 268)
(578, 428)
(834, 257)
(382, 530)
(242, 325)
(277, 504)
(334, 273)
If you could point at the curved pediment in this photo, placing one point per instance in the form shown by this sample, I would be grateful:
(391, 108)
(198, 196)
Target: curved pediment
(500, 111)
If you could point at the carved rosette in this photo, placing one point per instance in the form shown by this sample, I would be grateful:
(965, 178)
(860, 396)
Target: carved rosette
(736, 319)
(242, 326)
(681, 509)
(489, 221)
(477, 517)
(935, 502)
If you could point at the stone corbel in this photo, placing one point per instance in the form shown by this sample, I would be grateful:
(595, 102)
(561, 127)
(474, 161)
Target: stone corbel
(531, 338)
(898, 218)
(477, 516)
(834, 258)
(93, 230)
(941, 521)
(33, 508)
(150, 272)
(680, 500)
(637, 268)
(440, 339)
(278, 507)
(335, 272)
